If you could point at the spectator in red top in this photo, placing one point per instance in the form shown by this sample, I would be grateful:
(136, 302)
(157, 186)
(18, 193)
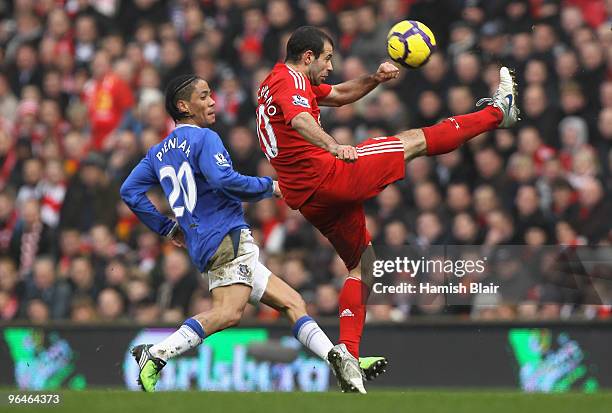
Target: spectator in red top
(59, 30)
(594, 11)
(530, 144)
(108, 97)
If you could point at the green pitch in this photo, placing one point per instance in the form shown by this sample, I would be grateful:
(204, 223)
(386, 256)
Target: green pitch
(375, 402)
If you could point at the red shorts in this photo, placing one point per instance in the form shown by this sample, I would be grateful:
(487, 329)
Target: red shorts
(336, 207)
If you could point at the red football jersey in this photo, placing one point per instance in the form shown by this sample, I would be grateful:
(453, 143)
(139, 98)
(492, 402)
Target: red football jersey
(300, 165)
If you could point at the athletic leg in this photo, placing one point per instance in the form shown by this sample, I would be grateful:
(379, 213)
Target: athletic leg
(344, 226)
(231, 273)
(228, 305)
(453, 132)
(280, 296)
(449, 134)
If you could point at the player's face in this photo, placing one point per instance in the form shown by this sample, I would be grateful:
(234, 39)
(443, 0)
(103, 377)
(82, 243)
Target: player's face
(202, 105)
(320, 68)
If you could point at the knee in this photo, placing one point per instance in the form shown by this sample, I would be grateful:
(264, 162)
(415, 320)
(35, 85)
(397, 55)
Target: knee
(414, 143)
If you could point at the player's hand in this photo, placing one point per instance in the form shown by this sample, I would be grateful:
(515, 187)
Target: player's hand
(179, 239)
(386, 71)
(346, 153)
(276, 189)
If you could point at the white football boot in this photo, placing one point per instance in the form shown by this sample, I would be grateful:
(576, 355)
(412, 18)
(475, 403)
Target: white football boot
(346, 369)
(504, 98)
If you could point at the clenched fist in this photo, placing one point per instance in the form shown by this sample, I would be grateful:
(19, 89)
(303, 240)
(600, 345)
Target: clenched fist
(386, 71)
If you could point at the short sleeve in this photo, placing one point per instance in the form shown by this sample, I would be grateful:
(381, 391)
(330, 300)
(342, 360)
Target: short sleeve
(293, 99)
(322, 91)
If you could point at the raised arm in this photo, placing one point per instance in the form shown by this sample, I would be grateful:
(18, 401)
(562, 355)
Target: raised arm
(353, 90)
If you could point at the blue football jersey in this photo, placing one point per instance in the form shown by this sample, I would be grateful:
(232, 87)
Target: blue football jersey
(203, 189)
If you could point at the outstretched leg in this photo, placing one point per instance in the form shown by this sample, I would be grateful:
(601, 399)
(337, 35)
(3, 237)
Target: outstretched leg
(453, 132)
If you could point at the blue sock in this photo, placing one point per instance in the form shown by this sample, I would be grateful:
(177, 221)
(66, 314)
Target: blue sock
(195, 325)
(188, 336)
(308, 332)
(299, 323)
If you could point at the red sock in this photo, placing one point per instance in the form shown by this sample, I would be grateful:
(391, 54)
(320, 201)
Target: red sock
(453, 132)
(352, 311)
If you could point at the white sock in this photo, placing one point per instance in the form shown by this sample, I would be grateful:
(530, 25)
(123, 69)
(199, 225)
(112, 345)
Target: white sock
(308, 332)
(183, 339)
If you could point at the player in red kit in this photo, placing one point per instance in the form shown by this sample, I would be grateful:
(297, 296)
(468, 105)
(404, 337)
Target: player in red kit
(328, 182)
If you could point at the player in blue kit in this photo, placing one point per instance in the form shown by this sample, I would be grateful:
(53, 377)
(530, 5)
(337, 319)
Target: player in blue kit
(205, 193)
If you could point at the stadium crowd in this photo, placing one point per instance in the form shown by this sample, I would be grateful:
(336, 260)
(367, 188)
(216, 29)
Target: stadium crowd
(81, 101)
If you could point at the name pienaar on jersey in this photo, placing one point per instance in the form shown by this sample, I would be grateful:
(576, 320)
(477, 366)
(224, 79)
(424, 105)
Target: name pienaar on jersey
(173, 143)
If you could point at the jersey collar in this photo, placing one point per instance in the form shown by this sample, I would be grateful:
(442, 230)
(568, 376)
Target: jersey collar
(186, 124)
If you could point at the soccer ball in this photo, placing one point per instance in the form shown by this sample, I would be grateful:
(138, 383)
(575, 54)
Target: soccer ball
(410, 43)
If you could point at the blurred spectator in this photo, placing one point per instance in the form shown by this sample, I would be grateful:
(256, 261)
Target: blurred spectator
(25, 70)
(103, 249)
(180, 283)
(83, 310)
(538, 112)
(31, 182)
(110, 305)
(280, 23)
(458, 197)
(429, 230)
(493, 41)
(86, 34)
(82, 278)
(12, 290)
(81, 97)
(52, 193)
(371, 34)
(8, 220)
(37, 311)
(54, 294)
(8, 102)
(327, 300)
(31, 237)
(564, 205)
(591, 217)
(91, 188)
(527, 212)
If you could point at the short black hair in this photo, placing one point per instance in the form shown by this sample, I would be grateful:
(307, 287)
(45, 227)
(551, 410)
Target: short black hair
(306, 38)
(179, 88)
